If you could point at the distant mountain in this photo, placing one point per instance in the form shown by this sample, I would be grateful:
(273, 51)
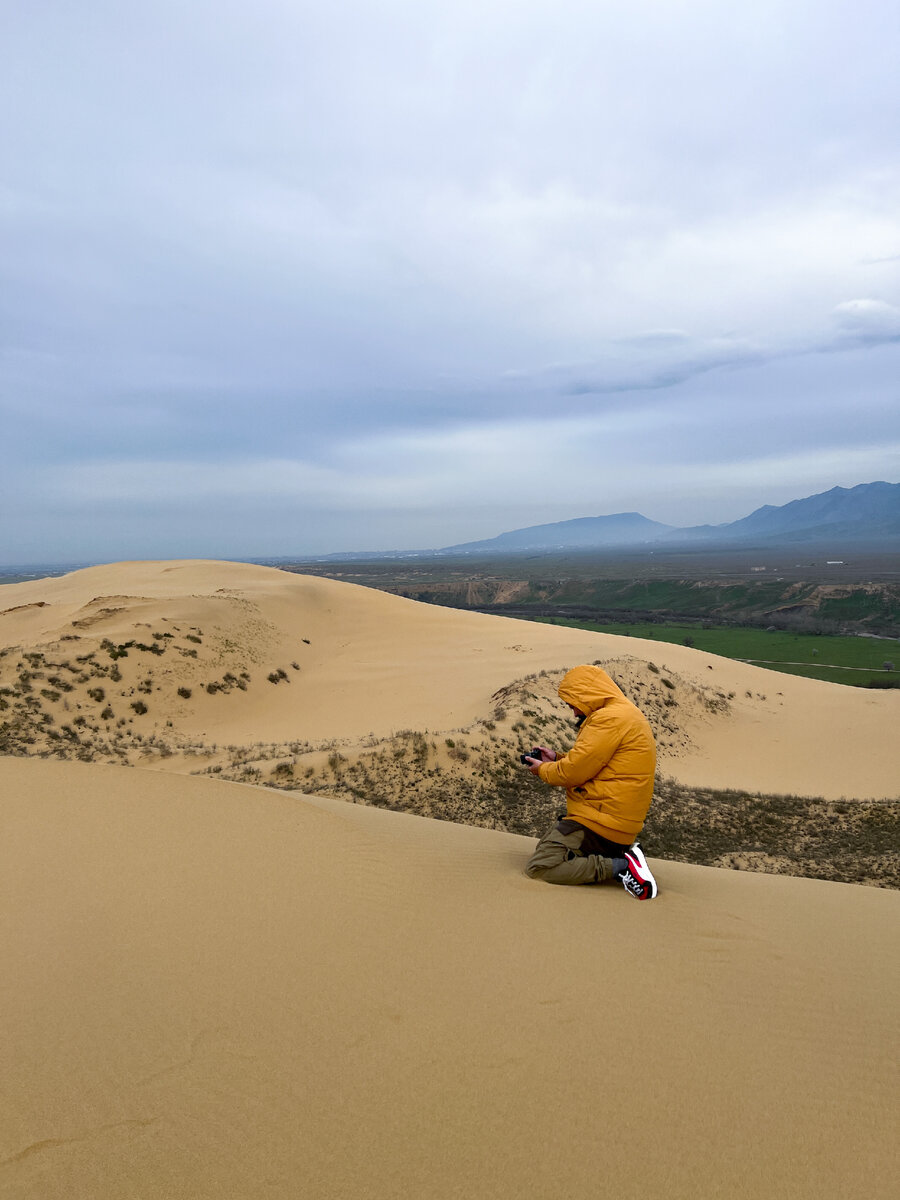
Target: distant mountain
(870, 509)
(869, 512)
(582, 533)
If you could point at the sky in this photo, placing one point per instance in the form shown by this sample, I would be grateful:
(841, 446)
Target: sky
(291, 278)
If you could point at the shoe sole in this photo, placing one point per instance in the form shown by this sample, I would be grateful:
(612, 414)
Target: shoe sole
(640, 870)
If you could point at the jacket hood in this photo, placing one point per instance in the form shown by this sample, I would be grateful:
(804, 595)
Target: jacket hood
(588, 688)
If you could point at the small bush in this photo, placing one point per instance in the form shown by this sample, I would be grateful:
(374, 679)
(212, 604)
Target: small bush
(184, 693)
(139, 707)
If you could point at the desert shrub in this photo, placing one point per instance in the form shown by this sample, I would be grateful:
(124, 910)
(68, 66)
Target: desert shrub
(107, 714)
(191, 637)
(184, 693)
(139, 707)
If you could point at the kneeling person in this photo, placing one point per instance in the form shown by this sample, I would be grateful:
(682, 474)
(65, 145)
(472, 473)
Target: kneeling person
(608, 776)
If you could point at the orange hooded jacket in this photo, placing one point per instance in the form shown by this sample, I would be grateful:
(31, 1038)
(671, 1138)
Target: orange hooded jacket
(608, 773)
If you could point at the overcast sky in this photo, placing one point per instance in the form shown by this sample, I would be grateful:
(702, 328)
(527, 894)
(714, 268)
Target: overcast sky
(288, 277)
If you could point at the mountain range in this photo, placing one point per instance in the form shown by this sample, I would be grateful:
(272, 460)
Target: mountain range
(869, 513)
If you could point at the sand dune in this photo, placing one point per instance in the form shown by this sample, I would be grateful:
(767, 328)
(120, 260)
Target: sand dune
(211, 990)
(268, 657)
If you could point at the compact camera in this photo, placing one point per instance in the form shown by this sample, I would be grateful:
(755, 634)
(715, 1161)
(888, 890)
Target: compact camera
(535, 753)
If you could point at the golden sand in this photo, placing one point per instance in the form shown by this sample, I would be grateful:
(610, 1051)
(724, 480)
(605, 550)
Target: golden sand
(218, 991)
(211, 990)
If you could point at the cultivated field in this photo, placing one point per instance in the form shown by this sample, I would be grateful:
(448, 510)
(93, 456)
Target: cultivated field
(855, 660)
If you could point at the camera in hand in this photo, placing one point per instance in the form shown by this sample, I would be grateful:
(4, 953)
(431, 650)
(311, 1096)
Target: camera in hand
(535, 753)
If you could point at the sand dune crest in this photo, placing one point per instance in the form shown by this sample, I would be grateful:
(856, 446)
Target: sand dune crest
(234, 654)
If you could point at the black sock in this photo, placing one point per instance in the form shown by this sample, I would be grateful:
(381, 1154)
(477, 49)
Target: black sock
(620, 866)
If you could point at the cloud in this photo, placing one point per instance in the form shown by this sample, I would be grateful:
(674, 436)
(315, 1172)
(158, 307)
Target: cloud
(868, 322)
(667, 358)
(407, 258)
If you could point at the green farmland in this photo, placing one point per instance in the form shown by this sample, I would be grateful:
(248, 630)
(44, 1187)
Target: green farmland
(858, 661)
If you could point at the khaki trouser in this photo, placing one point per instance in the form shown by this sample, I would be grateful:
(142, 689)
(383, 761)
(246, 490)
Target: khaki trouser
(558, 858)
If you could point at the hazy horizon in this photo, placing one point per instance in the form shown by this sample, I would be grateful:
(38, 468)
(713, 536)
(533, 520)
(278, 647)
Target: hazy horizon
(287, 555)
(290, 280)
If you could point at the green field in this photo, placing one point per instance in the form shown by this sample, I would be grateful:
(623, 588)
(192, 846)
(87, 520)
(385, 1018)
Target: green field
(857, 661)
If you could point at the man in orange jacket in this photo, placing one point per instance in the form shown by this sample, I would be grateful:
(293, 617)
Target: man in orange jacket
(608, 777)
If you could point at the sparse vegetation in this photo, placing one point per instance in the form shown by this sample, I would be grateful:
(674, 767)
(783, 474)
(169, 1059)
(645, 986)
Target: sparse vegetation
(469, 774)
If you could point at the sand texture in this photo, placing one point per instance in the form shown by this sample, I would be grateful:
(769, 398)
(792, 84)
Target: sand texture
(209, 665)
(211, 990)
(218, 990)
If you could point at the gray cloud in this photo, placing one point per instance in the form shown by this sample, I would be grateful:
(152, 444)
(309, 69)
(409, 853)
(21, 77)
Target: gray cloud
(263, 238)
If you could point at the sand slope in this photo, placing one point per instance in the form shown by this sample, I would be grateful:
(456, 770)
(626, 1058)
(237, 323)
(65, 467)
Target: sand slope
(211, 990)
(356, 664)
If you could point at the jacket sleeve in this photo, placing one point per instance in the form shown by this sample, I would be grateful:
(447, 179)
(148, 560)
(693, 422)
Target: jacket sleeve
(594, 748)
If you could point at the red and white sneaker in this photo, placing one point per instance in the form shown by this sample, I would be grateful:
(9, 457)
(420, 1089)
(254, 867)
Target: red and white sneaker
(638, 879)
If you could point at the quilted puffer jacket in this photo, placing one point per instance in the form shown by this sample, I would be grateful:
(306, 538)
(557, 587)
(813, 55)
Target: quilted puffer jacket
(608, 773)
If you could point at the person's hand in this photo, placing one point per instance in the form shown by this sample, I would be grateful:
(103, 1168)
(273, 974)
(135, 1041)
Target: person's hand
(547, 755)
(533, 764)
